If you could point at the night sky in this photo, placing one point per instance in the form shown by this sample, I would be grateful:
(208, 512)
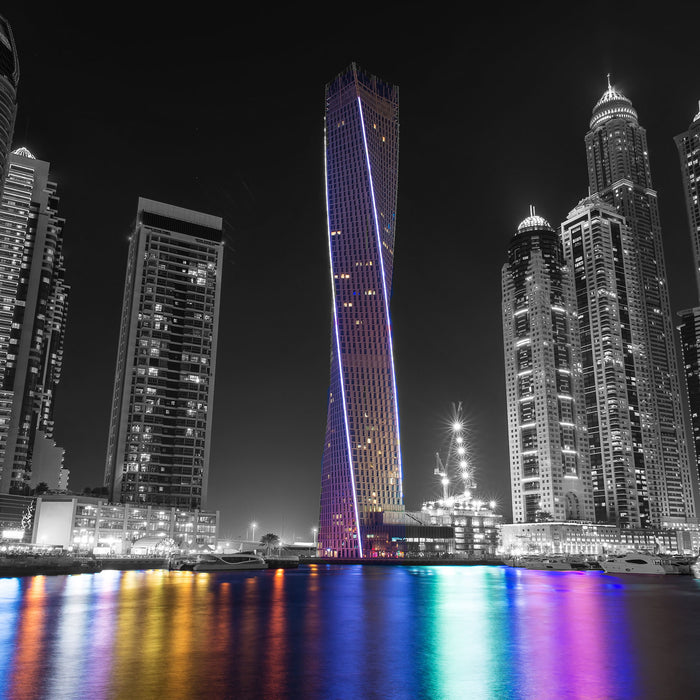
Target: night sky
(223, 113)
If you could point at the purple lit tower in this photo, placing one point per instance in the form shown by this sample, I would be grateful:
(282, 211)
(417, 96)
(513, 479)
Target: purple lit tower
(361, 475)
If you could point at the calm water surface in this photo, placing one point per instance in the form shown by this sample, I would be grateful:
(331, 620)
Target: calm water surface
(350, 632)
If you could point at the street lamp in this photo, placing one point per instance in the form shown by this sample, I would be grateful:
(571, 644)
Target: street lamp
(315, 531)
(253, 526)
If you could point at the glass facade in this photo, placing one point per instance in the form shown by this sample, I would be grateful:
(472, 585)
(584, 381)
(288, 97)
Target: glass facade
(361, 472)
(160, 429)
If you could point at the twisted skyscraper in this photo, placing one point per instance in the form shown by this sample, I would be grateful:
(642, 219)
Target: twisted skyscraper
(9, 78)
(361, 474)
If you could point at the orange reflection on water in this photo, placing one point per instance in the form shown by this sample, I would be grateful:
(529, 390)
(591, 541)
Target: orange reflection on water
(25, 681)
(177, 674)
(276, 656)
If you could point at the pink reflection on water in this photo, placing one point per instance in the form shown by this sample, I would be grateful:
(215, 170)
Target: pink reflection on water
(563, 652)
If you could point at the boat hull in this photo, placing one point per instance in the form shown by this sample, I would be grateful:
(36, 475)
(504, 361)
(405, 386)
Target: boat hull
(641, 564)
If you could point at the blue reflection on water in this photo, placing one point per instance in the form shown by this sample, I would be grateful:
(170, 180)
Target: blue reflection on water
(10, 601)
(332, 631)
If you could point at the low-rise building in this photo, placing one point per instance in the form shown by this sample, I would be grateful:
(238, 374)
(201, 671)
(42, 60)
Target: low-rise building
(94, 524)
(577, 537)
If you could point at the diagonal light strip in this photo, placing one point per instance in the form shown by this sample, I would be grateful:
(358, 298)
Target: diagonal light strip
(386, 300)
(337, 344)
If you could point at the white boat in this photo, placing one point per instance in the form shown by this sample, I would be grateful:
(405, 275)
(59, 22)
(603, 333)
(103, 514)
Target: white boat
(546, 563)
(229, 562)
(236, 561)
(642, 563)
(554, 562)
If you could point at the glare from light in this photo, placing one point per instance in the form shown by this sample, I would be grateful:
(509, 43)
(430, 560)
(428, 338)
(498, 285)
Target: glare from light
(457, 426)
(445, 481)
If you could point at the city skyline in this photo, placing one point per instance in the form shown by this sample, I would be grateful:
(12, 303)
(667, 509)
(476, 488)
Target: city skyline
(471, 163)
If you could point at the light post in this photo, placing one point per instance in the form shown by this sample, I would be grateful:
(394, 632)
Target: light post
(253, 526)
(315, 531)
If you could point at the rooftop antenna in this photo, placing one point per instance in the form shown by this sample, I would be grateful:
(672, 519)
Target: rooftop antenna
(532, 210)
(609, 85)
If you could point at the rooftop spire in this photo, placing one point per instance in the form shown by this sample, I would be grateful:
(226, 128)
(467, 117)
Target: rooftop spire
(609, 85)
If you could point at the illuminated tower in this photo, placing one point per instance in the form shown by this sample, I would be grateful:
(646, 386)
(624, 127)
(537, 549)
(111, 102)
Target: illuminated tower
(688, 144)
(32, 325)
(620, 175)
(160, 427)
(9, 77)
(361, 473)
(550, 474)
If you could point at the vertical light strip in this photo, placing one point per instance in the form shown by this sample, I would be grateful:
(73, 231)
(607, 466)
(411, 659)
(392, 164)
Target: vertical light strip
(337, 345)
(386, 299)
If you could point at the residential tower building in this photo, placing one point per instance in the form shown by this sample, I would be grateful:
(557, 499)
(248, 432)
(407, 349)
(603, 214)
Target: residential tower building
(688, 144)
(361, 471)
(657, 486)
(32, 325)
(549, 464)
(161, 420)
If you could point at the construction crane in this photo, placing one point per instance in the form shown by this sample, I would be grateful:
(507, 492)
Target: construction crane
(456, 468)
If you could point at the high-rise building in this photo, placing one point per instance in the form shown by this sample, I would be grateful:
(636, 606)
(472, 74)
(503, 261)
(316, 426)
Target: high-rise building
(9, 78)
(161, 421)
(598, 246)
(361, 473)
(550, 473)
(619, 174)
(32, 325)
(688, 144)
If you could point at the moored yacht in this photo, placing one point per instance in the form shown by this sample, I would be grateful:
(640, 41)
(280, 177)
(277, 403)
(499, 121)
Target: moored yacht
(642, 563)
(235, 561)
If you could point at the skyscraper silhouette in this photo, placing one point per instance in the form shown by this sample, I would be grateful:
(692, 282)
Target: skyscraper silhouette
(550, 474)
(160, 427)
(361, 472)
(657, 483)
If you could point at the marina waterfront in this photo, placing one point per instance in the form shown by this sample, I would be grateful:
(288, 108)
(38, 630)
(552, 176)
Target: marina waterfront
(331, 631)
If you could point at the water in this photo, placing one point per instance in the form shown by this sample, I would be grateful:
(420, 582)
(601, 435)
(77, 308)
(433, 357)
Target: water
(350, 632)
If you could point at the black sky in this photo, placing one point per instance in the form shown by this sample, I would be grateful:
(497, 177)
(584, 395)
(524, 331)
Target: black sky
(223, 113)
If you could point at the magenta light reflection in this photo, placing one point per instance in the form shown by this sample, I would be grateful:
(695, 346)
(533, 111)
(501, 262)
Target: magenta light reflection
(386, 300)
(337, 345)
